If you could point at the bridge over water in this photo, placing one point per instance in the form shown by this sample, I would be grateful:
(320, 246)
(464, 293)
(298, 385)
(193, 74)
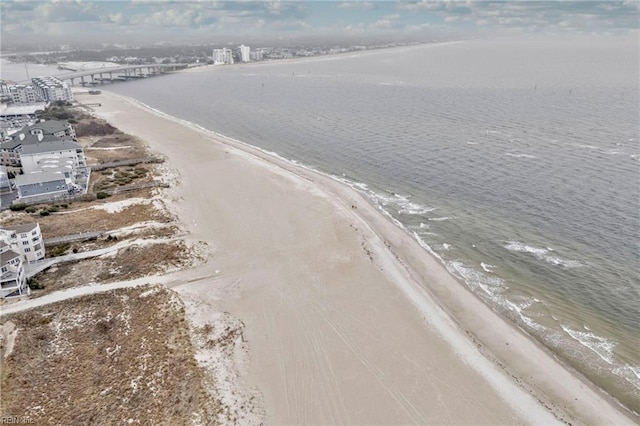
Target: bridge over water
(120, 73)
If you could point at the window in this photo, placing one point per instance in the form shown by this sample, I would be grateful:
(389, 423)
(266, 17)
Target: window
(25, 243)
(23, 235)
(26, 250)
(5, 269)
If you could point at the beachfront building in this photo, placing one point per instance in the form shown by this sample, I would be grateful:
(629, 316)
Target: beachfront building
(25, 240)
(52, 89)
(244, 53)
(13, 278)
(57, 128)
(34, 134)
(24, 94)
(43, 185)
(35, 157)
(222, 56)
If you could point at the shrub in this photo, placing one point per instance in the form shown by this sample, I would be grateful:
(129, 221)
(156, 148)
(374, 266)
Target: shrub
(52, 210)
(58, 250)
(102, 194)
(35, 285)
(17, 207)
(30, 209)
(44, 213)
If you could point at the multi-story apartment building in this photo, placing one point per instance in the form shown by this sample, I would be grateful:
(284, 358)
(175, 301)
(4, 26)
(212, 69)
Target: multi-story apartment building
(38, 157)
(244, 53)
(52, 89)
(57, 128)
(35, 134)
(13, 278)
(5, 93)
(24, 94)
(256, 55)
(222, 56)
(25, 240)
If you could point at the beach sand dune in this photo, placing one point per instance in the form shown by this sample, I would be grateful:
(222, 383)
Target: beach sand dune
(347, 319)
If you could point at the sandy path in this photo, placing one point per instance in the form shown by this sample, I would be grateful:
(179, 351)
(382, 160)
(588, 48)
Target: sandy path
(341, 322)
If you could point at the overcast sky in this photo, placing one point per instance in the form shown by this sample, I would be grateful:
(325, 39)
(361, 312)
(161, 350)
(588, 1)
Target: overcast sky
(138, 21)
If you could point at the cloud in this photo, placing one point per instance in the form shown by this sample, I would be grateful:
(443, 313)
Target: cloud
(530, 15)
(363, 5)
(387, 21)
(73, 18)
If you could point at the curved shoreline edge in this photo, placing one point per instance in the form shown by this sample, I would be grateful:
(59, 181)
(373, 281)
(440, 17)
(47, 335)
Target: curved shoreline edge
(526, 375)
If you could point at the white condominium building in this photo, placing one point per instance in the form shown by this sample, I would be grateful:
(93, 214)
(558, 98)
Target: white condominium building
(244, 53)
(24, 94)
(222, 56)
(53, 153)
(256, 55)
(52, 89)
(25, 240)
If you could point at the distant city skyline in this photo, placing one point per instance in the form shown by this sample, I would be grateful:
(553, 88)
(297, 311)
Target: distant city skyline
(144, 22)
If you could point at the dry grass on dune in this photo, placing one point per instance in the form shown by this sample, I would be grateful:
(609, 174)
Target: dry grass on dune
(130, 263)
(122, 357)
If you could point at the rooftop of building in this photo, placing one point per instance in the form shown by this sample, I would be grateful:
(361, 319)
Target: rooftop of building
(23, 109)
(25, 227)
(40, 177)
(29, 139)
(48, 127)
(50, 144)
(8, 256)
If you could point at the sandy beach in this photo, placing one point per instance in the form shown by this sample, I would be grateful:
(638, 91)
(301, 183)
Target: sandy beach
(347, 319)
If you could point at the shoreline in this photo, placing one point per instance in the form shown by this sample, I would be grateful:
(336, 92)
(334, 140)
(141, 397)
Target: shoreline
(440, 301)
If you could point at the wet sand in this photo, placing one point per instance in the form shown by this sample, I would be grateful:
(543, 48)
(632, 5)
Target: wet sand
(347, 319)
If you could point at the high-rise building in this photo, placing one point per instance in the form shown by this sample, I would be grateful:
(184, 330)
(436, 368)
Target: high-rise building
(222, 56)
(244, 53)
(52, 89)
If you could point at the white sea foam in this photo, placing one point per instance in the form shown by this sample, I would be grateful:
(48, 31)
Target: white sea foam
(491, 286)
(542, 254)
(414, 208)
(440, 219)
(487, 267)
(631, 373)
(585, 146)
(510, 154)
(518, 309)
(603, 347)
(446, 246)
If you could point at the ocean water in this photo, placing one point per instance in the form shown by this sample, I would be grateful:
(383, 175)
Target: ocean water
(20, 72)
(514, 161)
